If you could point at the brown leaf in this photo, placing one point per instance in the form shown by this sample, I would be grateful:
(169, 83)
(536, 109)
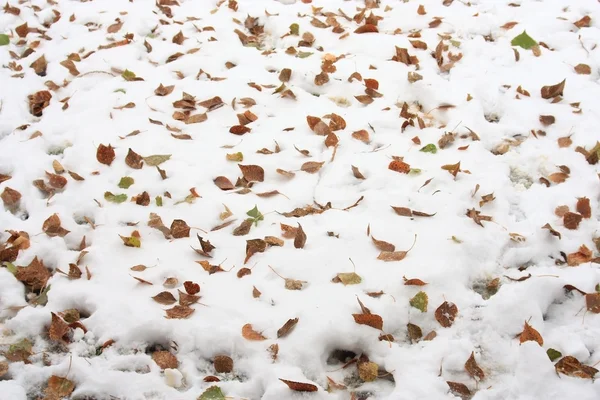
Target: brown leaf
(223, 183)
(134, 160)
(571, 366)
(11, 198)
(212, 104)
(52, 227)
(285, 75)
(552, 231)
(300, 238)
(421, 10)
(558, 177)
(164, 90)
(250, 334)
(34, 275)
(399, 166)
(321, 79)
(254, 246)
(105, 154)
(509, 25)
(549, 92)
(56, 181)
(58, 328)
(583, 255)
(243, 229)
(473, 369)
(530, 334)
(58, 388)
(418, 44)
(179, 229)
(403, 211)
(287, 327)
(446, 313)
(367, 28)
(460, 389)
(581, 69)
(186, 299)
(247, 117)
(39, 66)
(312, 166)
(179, 312)
(336, 122)
(572, 220)
(477, 216)
(256, 294)
(414, 332)
(357, 174)
(383, 246)
(372, 320)
(165, 359)
(223, 364)
(38, 101)
(583, 207)
(592, 302)
(165, 298)
(300, 386)
(196, 118)
(547, 120)
(564, 141)
(252, 173)
(364, 99)
(583, 22)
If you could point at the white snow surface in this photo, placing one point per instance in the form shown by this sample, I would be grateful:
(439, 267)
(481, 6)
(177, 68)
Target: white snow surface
(482, 84)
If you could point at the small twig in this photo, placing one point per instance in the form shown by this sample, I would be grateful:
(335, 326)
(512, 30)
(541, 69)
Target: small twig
(95, 72)
(276, 273)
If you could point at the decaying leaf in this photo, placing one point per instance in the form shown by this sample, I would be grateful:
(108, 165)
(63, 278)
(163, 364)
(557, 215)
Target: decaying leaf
(105, 154)
(420, 301)
(52, 227)
(287, 327)
(372, 320)
(35, 275)
(473, 368)
(446, 313)
(179, 312)
(58, 388)
(571, 366)
(348, 278)
(581, 256)
(58, 328)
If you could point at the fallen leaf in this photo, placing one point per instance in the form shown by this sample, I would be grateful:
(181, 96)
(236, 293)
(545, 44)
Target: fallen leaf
(382, 245)
(164, 90)
(414, 332)
(460, 389)
(420, 301)
(571, 366)
(552, 231)
(572, 220)
(165, 298)
(52, 227)
(58, 329)
(300, 386)
(592, 302)
(250, 334)
(446, 313)
(105, 154)
(223, 364)
(368, 371)
(312, 167)
(134, 160)
(473, 369)
(372, 320)
(179, 312)
(549, 92)
(300, 238)
(530, 334)
(287, 327)
(254, 246)
(252, 173)
(165, 359)
(58, 388)
(584, 22)
(35, 275)
(399, 166)
(212, 393)
(156, 159)
(583, 255)
(583, 207)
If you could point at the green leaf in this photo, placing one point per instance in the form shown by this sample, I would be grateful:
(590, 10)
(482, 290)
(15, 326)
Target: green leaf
(156, 159)
(42, 299)
(430, 148)
(523, 40)
(597, 288)
(20, 351)
(455, 43)
(420, 301)
(125, 182)
(256, 215)
(212, 393)
(553, 354)
(349, 278)
(4, 40)
(304, 54)
(159, 202)
(10, 267)
(120, 90)
(295, 29)
(128, 75)
(115, 198)
(414, 171)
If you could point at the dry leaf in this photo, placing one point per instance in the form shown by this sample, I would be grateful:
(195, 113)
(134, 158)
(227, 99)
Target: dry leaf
(164, 298)
(571, 366)
(287, 327)
(58, 388)
(52, 227)
(549, 92)
(571, 220)
(223, 364)
(312, 166)
(583, 255)
(58, 328)
(357, 174)
(250, 334)
(372, 320)
(583, 207)
(446, 313)
(164, 90)
(165, 359)
(252, 173)
(105, 154)
(581, 69)
(383, 246)
(473, 369)
(300, 238)
(254, 246)
(179, 312)
(300, 386)
(530, 334)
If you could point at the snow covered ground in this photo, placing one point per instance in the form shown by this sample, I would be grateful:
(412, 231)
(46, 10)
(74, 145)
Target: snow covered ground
(302, 150)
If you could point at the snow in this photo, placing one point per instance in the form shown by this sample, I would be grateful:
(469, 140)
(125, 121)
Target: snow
(114, 306)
